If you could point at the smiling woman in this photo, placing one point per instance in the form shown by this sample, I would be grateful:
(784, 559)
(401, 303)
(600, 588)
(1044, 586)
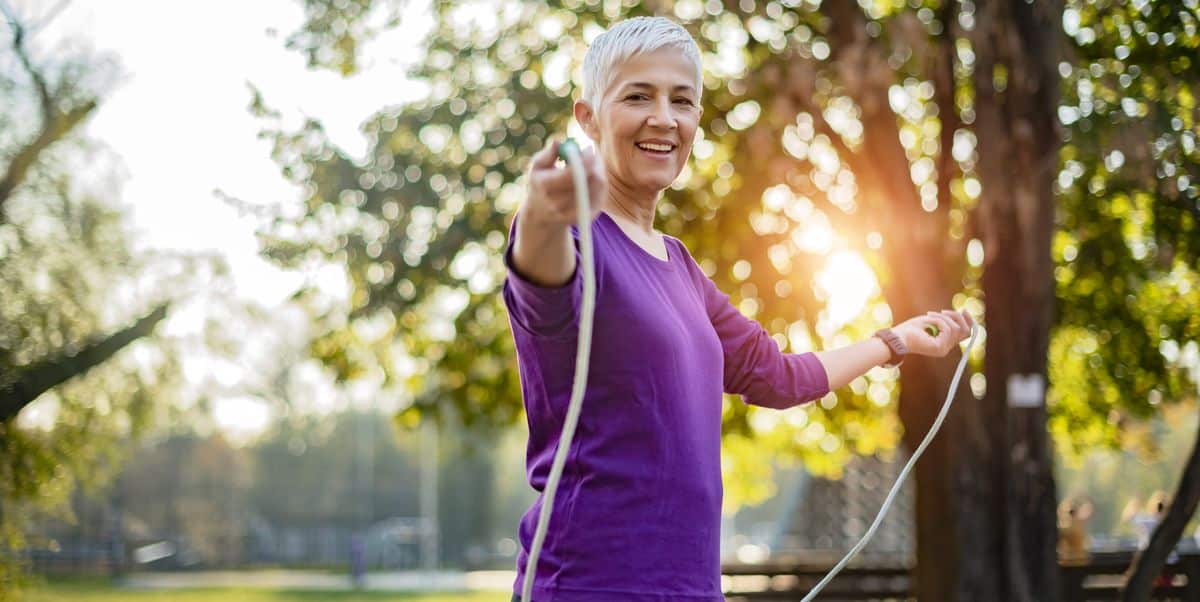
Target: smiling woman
(639, 511)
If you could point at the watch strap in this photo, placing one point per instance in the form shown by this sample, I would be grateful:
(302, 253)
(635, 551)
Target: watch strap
(895, 345)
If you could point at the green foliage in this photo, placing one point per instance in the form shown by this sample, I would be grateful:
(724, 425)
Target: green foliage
(1129, 227)
(69, 277)
(343, 470)
(64, 271)
(419, 221)
(307, 471)
(1120, 481)
(334, 32)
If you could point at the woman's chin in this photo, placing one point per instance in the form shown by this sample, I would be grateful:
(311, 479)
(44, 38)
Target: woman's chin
(659, 183)
(656, 186)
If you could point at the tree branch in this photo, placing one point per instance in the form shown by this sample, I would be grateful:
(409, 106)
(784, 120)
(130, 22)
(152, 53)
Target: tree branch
(1148, 564)
(56, 123)
(31, 381)
(53, 130)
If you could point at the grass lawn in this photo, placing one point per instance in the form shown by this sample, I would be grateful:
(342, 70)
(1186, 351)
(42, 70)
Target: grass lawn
(100, 591)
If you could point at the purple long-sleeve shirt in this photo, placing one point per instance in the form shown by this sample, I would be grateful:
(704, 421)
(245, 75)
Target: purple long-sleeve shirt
(638, 510)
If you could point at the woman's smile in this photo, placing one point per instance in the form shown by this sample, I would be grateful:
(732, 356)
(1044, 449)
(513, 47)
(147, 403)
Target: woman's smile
(656, 152)
(656, 148)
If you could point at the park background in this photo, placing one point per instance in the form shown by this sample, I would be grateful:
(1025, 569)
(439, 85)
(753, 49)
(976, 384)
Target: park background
(249, 271)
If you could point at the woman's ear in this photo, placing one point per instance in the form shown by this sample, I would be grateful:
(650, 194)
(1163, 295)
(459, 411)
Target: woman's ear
(587, 120)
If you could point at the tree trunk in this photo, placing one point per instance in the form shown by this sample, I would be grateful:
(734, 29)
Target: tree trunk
(1149, 563)
(986, 523)
(1006, 457)
(937, 512)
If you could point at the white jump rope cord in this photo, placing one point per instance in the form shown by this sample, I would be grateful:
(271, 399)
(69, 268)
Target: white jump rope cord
(887, 502)
(583, 218)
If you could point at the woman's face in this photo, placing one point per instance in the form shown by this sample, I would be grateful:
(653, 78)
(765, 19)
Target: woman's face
(651, 103)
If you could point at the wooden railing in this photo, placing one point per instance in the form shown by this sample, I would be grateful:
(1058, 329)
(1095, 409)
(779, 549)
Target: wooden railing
(791, 581)
(1100, 577)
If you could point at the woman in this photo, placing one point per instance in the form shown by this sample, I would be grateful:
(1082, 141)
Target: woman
(637, 515)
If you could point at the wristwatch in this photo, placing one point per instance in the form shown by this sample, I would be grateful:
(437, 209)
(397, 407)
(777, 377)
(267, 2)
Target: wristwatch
(895, 344)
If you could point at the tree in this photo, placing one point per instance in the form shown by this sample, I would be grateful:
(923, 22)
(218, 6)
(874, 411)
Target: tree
(1126, 251)
(62, 108)
(901, 127)
(350, 470)
(1004, 476)
(80, 370)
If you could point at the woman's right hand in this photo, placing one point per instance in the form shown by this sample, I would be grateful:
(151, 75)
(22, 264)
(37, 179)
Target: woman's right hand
(550, 197)
(952, 326)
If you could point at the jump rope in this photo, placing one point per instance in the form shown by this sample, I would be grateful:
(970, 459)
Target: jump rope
(568, 151)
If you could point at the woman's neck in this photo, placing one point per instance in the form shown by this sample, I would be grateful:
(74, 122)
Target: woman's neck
(636, 209)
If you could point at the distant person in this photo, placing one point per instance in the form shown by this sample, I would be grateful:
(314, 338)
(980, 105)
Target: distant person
(1072, 530)
(1146, 518)
(1158, 509)
(1140, 522)
(358, 561)
(1159, 503)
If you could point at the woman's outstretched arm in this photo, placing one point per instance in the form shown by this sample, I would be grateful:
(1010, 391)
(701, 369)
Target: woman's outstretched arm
(845, 364)
(543, 251)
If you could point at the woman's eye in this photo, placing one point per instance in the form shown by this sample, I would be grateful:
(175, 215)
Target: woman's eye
(683, 100)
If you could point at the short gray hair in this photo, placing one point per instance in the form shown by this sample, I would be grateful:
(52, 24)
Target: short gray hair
(626, 39)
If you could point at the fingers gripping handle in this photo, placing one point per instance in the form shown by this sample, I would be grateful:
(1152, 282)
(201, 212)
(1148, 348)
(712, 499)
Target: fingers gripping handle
(565, 149)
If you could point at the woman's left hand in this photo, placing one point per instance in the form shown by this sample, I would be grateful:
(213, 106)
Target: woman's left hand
(952, 327)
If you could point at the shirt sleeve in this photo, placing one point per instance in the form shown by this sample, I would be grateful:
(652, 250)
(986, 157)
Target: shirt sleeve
(544, 311)
(755, 367)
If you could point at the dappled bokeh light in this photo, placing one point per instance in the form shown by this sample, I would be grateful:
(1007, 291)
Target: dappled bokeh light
(858, 163)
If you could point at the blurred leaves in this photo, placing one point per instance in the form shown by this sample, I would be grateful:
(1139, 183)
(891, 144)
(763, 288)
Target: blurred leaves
(805, 115)
(334, 31)
(1129, 216)
(72, 286)
(419, 222)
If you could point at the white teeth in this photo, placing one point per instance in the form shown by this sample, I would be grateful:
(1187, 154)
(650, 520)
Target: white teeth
(655, 147)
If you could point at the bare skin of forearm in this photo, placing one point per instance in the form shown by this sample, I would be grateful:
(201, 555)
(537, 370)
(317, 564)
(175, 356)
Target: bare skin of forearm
(845, 364)
(543, 254)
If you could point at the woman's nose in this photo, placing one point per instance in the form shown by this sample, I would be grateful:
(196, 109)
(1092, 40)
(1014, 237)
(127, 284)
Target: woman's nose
(661, 115)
